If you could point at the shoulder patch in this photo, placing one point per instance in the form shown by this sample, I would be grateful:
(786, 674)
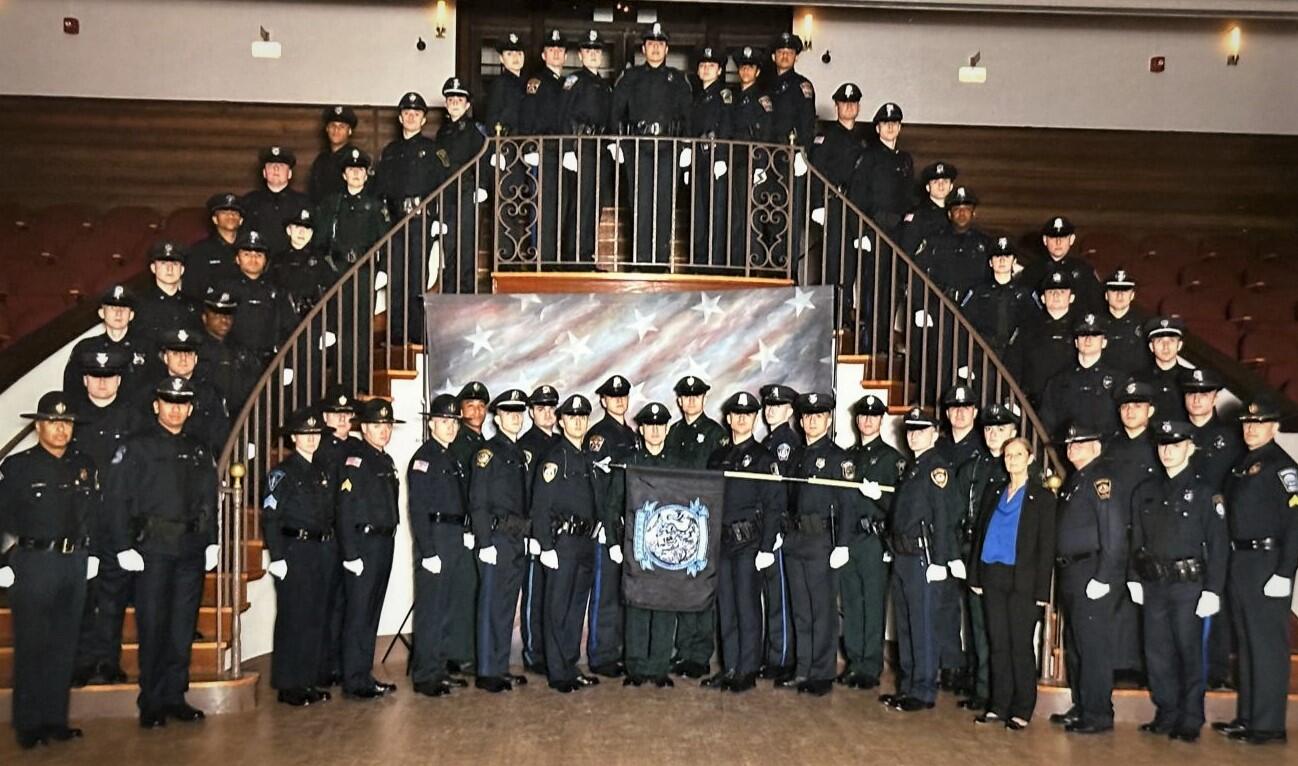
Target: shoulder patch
(765, 101)
(1289, 479)
(808, 90)
(444, 157)
(940, 477)
(532, 85)
(353, 462)
(1103, 488)
(901, 466)
(569, 81)
(597, 444)
(549, 471)
(483, 458)
(527, 457)
(419, 465)
(849, 469)
(273, 479)
(726, 96)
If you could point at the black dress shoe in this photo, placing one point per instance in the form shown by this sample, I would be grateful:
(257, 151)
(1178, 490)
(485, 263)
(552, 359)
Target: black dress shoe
(717, 681)
(632, 679)
(493, 684)
(1185, 735)
(333, 679)
(1083, 727)
(663, 682)
(585, 680)
(364, 693)
(457, 682)
(911, 705)
(1156, 727)
(1229, 727)
(432, 688)
(1263, 737)
(608, 670)
(386, 688)
(743, 683)
(453, 668)
(1063, 719)
(988, 717)
(82, 676)
(790, 683)
(63, 733)
(690, 669)
(1016, 724)
(29, 739)
(185, 712)
(817, 688)
(517, 680)
(152, 720)
(294, 697)
(318, 695)
(889, 699)
(565, 687)
(776, 672)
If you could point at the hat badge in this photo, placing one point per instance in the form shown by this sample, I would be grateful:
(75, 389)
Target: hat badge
(117, 291)
(338, 110)
(743, 400)
(848, 91)
(1131, 388)
(654, 409)
(356, 154)
(1121, 275)
(177, 384)
(1059, 223)
(455, 82)
(513, 38)
(658, 28)
(1167, 426)
(1253, 409)
(60, 408)
(592, 35)
(617, 382)
(168, 248)
(311, 422)
(101, 359)
(941, 168)
(812, 398)
(1003, 242)
(383, 412)
(342, 400)
(1197, 375)
(871, 400)
(274, 151)
(1163, 323)
(689, 381)
(1089, 319)
(182, 336)
(889, 108)
(748, 52)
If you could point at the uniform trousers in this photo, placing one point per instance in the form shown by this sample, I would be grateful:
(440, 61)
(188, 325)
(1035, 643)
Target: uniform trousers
(167, 596)
(779, 631)
(435, 618)
(813, 598)
(1089, 627)
(498, 589)
(301, 601)
(567, 591)
(914, 602)
(1263, 641)
(101, 630)
(604, 636)
(739, 607)
(47, 598)
(1174, 653)
(863, 583)
(363, 605)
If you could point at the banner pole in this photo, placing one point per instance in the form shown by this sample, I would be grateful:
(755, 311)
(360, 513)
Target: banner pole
(798, 479)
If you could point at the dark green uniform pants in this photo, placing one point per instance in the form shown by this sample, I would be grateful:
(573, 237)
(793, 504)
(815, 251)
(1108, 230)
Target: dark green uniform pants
(863, 584)
(649, 641)
(696, 636)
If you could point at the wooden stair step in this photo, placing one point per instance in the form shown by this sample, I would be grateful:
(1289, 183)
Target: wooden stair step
(206, 624)
(205, 657)
(210, 587)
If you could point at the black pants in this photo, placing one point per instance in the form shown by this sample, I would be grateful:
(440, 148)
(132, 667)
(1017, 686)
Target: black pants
(167, 595)
(547, 181)
(1128, 653)
(47, 598)
(1263, 625)
(651, 171)
(331, 653)
(584, 196)
(863, 583)
(1174, 653)
(946, 623)
(813, 597)
(498, 588)
(649, 637)
(458, 246)
(604, 634)
(407, 275)
(436, 620)
(301, 602)
(1088, 643)
(101, 632)
(532, 621)
(363, 597)
(739, 607)
(914, 603)
(709, 222)
(779, 631)
(1011, 619)
(567, 590)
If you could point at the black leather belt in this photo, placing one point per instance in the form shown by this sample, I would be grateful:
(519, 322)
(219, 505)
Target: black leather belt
(740, 532)
(447, 518)
(1254, 544)
(59, 545)
(307, 535)
(1065, 561)
(905, 545)
(576, 526)
(374, 530)
(808, 524)
(513, 525)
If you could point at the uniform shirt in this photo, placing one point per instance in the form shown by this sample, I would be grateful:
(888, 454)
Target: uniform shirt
(751, 117)
(162, 489)
(299, 496)
(652, 101)
(407, 169)
(304, 276)
(437, 484)
(998, 310)
(1262, 495)
(46, 497)
(1127, 351)
(265, 316)
(1218, 446)
(349, 224)
(1042, 347)
(497, 485)
(327, 173)
(157, 313)
(877, 461)
(229, 368)
(794, 99)
(1169, 401)
(834, 153)
(882, 184)
(1086, 286)
(922, 223)
(1081, 395)
(781, 442)
(925, 505)
(973, 480)
(367, 494)
(208, 424)
(1093, 518)
(585, 104)
(957, 453)
(1181, 518)
(466, 445)
(329, 455)
(541, 110)
(504, 103)
(142, 355)
(693, 443)
(838, 508)
(565, 488)
(535, 443)
(608, 437)
(750, 499)
(955, 260)
(1132, 459)
(209, 262)
(101, 430)
(458, 142)
(266, 212)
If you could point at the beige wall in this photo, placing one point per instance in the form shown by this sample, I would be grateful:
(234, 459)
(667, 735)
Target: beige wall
(347, 51)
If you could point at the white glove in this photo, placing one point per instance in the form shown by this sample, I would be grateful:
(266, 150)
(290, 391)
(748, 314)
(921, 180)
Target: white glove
(779, 542)
(570, 161)
(130, 560)
(871, 489)
(759, 176)
(287, 376)
(719, 168)
(549, 559)
(437, 229)
(799, 165)
(328, 340)
(479, 196)
(532, 158)
(863, 243)
(599, 533)
(887, 557)
(615, 151)
(935, 573)
(209, 557)
(923, 319)
(957, 569)
(1137, 592)
(1277, 587)
(686, 177)
(687, 157)
(1209, 604)
(355, 566)
(496, 161)
(432, 563)
(488, 555)
(764, 560)
(92, 567)
(976, 590)
(838, 557)
(380, 280)
(278, 569)
(6, 577)
(604, 464)
(533, 546)
(468, 540)
(818, 215)
(1096, 590)
(615, 553)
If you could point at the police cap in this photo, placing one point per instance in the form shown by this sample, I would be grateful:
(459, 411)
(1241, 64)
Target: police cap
(54, 405)
(343, 114)
(814, 402)
(278, 154)
(653, 414)
(576, 404)
(691, 385)
(544, 396)
(868, 405)
(741, 402)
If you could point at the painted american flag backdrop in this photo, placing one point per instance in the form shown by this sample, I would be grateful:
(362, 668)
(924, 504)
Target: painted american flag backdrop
(733, 339)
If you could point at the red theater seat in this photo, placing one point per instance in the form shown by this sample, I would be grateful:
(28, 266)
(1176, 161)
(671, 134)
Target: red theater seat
(1222, 336)
(1212, 272)
(1107, 247)
(1266, 347)
(57, 225)
(1166, 248)
(1199, 303)
(1229, 247)
(187, 225)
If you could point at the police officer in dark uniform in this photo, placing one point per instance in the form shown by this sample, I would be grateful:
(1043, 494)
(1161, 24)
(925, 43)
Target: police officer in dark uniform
(541, 115)
(268, 208)
(930, 216)
(793, 124)
(117, 310)
(709, 121)
(566, 504)
(1178, 554)
(1084, 392)
(265, 316)
(297, 522)
(1044, 345)
(751, 119)
(211, 261)
(1164, 371)
(336, 408)
(162, 487)
(753, 512)
(162, 306)
(535, 442)
(961, 443)
(782, 440)
(1057, 237)
(47, 502)
(473, 399)
(505, 96)
(610, 436)
(588, 172)
(503, 118)
(208, 422)
(224, 364)
(327, 169)
(922, 542)
(611, 433)
(652, 102)
(882, 184)
(407, 171)
(1128, 350)
(302, 270)
(863, 580)
(956, 256)
(367, 518)
(1262, 497)
(834, 153)
(498, 502)
(459, 140)
(1000, 304)
(1091, 562)
(439, 518)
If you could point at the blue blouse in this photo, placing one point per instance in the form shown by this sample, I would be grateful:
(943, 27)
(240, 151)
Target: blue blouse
(1001, 540)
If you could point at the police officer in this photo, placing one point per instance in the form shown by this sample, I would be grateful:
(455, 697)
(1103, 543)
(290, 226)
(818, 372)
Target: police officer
(211, 261)
(1262, 496)
(209, 421)
(709, 120)
(407, 171)
(540, 115)
(649, 632)
(301, 270)
(297, 522)
(1128, 351)
(117, 311)
(1091, 560)
(1044, 345)
(960, 442)
(566, 503)
(863, 580)
(367, 518)
(1217, 445)
(1083, 393)
(923, 548)
(504, 118)
(459, 139)
(823, 522)
(834, 153)
(1178, 555)
(587, 180)
(162, 486)
(956, 256)
(652, 102)
(1164, 372)
(268, 208)
(337, 409)
(1000, 304)
(265, 316)
(959, 445)
(326, 171)
(610, 436)
(793, 124)
(473, 399)
(224, 364)
(751, 120)
(505, 97)
(695, 436)
(782, 440)
(162, 306)
(1058, 235)
(883, 179)
(930, 216)
(47, 500)
(535, 442)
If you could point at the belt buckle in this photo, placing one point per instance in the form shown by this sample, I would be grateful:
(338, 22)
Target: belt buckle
(67, 545)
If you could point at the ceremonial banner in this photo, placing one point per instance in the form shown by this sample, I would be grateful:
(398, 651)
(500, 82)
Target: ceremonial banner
(734, 339)
(673, 535)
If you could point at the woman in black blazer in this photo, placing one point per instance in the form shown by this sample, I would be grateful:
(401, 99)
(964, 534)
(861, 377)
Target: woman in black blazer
(1010, 567)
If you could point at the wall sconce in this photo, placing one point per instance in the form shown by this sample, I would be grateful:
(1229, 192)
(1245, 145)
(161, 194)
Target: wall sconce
(264, 48)
(1232, 46)
(975, 73)
(440, 19)
(808, 21)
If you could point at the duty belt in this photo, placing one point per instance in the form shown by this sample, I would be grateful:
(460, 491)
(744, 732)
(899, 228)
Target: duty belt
(650, 128)
(58, 545)
(905, 545)
(1254, 544)
(1074, 558)
(447, 518)
(307, 535)
(513, 525)
(410, 203)
(808, 524)
(740, 532)
(166, 527)
(878, 528)
(374, 530)
(1150, 567)
(577, 526)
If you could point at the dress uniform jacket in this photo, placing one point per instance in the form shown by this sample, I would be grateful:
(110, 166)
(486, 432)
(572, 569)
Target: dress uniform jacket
(267, 212)
(208, 263)
(794, 99)
(998, 311)
(693, 443)
(652, 101)
(504, 103)
(1082, 395)
(327, 173)
(955, 260)
(349, 224)
(1087, 288)
(407, 171)
(139, 374)
(265, 316)
(367, 494)
(1127, 350)
(1042, 347)
(1218, 446)
(157, 313)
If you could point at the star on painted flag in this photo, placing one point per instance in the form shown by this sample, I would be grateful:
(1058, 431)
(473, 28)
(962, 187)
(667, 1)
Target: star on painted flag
(643, 324)
(481, 340)
(527, 298)
(708, 306)
(575, 346)
(801, 301)
(764, 356)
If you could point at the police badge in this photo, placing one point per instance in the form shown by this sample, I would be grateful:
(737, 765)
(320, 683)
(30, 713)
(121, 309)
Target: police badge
(820, 463)
(1104, 488)
(783, 451)
(597, 444)
(849, 469)
(1219, 505)
(672, 537)
(549, 471)
(747, 461)
(940, 477)
(483, 458)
